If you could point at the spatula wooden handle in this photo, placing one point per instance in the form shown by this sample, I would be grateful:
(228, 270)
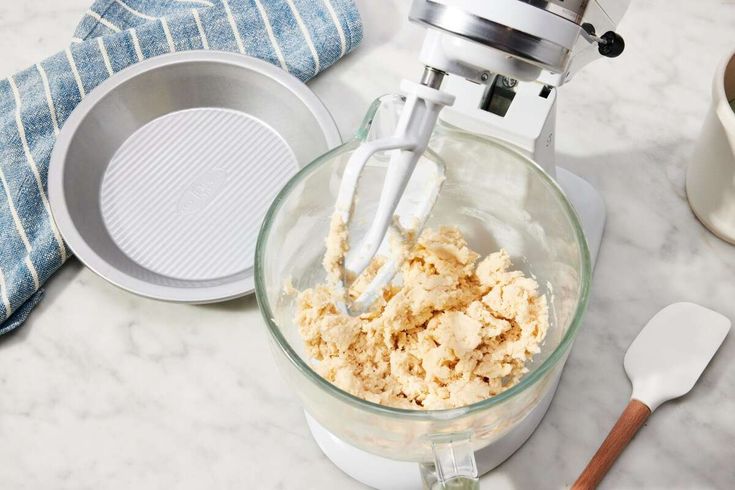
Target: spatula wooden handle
(632, 419)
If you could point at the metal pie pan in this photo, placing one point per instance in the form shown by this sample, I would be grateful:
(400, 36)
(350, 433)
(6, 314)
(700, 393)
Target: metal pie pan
(160, 178)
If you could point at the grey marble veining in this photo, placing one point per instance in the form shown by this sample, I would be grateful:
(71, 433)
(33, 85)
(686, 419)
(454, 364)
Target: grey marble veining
(102, 389)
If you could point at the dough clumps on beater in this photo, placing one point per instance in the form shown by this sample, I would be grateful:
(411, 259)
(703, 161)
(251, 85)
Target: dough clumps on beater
(456, 331)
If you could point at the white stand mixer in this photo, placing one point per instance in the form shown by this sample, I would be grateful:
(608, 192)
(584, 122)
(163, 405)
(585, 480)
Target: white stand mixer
(498, 63)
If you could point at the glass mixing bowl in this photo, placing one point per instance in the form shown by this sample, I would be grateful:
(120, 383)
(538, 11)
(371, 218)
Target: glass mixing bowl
(498, 198)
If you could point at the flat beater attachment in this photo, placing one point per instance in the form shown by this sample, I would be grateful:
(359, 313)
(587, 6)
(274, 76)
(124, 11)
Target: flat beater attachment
(407, 145)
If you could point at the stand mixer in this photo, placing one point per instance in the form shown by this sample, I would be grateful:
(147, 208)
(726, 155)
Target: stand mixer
(491, 74)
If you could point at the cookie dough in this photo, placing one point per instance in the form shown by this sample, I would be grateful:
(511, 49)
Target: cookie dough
(456, 331)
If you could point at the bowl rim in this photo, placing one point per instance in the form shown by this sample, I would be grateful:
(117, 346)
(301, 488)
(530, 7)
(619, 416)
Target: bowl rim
(57, 165)
(414, 414)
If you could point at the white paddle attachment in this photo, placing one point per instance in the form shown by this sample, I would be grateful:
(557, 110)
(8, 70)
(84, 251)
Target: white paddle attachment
(408, 143)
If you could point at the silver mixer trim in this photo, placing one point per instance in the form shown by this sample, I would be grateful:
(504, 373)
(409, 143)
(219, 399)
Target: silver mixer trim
(569, 9)
(486, 32)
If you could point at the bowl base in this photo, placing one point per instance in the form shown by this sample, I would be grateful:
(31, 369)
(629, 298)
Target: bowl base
(388, 474)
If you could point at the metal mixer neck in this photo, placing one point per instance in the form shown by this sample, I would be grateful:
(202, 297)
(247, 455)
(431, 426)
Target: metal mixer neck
(469, 26)
(522, 39)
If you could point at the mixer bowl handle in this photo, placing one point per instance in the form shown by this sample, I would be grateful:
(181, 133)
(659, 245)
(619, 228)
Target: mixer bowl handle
(454, 466)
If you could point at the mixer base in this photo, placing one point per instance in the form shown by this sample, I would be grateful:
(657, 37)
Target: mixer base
(589, 205)
(387, 474)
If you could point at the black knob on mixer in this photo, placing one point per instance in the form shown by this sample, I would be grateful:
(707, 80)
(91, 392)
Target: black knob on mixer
(610, 44)
(613, 44)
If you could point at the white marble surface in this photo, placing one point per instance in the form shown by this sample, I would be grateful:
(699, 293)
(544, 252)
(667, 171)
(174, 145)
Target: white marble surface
(101, 389)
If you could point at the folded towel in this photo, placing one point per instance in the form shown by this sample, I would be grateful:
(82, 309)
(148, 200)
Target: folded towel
(301, 36)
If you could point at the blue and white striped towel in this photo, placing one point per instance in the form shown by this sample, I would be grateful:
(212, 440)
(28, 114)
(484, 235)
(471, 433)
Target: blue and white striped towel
(301, 36)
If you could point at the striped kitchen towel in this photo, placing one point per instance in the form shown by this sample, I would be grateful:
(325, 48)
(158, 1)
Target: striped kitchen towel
(301, 36)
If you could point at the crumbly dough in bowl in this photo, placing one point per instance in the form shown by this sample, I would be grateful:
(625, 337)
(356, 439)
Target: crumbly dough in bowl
(457, 330)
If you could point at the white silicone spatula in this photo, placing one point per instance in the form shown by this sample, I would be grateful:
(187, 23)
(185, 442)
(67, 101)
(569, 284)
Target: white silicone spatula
(663, 363)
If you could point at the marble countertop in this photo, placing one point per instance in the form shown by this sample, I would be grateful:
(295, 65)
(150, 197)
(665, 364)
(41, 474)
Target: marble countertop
(102, 389)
